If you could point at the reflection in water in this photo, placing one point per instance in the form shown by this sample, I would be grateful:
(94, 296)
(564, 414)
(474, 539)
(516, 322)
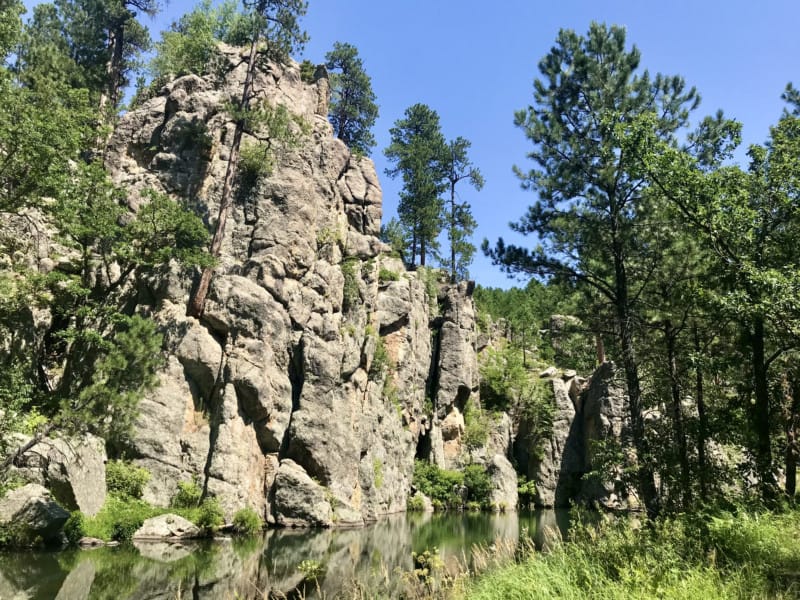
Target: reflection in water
(267, 566)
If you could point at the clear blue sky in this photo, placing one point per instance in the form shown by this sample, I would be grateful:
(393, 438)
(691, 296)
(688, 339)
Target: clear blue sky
(474, 63)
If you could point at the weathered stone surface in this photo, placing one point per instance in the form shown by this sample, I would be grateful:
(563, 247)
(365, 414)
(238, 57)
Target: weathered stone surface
(167, 527)
(78, 583)
(76, 473)
(556, 462)
(30, 513)
(504, 483)
(584, 413)
(74, 470)
(299, 500)
(279, 369)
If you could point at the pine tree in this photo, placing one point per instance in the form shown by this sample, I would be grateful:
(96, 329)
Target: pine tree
(420, 154)
(460, 222)
(590, 190)
(353, 110)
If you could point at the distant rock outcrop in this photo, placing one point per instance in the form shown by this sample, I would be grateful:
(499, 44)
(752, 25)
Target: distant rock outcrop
(585, 413)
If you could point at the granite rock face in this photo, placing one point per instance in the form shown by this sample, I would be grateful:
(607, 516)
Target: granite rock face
(72, 469)
(29, 514)
(584, 413)
(309, 363)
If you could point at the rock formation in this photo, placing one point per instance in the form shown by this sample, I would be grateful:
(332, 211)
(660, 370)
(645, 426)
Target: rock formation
(585, 413)
(303, 384)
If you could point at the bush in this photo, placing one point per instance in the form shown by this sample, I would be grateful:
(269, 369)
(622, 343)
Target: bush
(75, 528)
(380, 360)
(385, 275)
(126, 480)
(188, 495)
(350, 291)
(118, 519)
(415, 503)
(210, 516)
(440, 485)
(247, 521)
(478, 483)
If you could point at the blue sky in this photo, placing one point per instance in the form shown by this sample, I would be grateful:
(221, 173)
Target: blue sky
(474, 63)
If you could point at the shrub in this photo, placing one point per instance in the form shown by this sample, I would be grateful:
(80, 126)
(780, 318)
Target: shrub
(247, 521)
(478, 483)
(350, 291)
(415, 503)
(75, 528)
(126, 480)
(188, 495)
(473, 506)
(440, 485)
(385, 275)
(210, 516)
(526, 490)
(380, 359)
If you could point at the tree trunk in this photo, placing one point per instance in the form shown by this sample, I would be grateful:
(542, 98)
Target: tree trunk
(761, 412)
(198, 300)
(702, 417)
(646, 479)
(670, 335)
(453, 231)
(792, 426)
(600, 349)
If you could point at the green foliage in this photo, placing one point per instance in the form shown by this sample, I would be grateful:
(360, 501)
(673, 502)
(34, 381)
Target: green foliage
(209, 515)
(430, 279)
(247, 521)
(418, 152)
(385, 275)
(190, 44)
(126, 480)
(377, 472)
(726, 556)
(440, 485)
(503, 378)
(415, 503)
(118, 519)
(75, 528)
(478, 483)
(353, 110)
(381, 361)
(526, 491)
(10, 25)
(189, 495)
(275, 131)
(307, 71)
(351, 294)
(460, 222)
(392, 233)
(476, 427)
(312, 570)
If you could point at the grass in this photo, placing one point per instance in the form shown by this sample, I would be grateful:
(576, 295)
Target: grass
(727, 556)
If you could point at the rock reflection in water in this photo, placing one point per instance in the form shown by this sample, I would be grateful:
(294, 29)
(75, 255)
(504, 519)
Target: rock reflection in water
(372, 558)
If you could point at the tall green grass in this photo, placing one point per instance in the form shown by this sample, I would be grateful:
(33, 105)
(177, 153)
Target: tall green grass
(700, 557)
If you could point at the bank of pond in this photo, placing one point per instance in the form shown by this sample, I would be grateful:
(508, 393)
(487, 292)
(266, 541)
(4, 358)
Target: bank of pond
(740, 554)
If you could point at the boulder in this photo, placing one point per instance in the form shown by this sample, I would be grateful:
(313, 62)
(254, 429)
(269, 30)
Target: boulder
(29, 515)
(504, 483)
(167, 527)
(299, 500)
(76, 473)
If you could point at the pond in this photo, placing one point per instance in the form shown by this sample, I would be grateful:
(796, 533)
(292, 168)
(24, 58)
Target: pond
(281, 563)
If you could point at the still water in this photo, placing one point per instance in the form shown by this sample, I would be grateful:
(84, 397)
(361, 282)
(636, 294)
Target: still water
(267, 566)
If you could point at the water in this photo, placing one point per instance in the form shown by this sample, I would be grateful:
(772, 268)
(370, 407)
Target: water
(267, 566)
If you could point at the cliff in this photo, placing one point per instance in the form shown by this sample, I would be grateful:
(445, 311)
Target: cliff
(301, 391)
